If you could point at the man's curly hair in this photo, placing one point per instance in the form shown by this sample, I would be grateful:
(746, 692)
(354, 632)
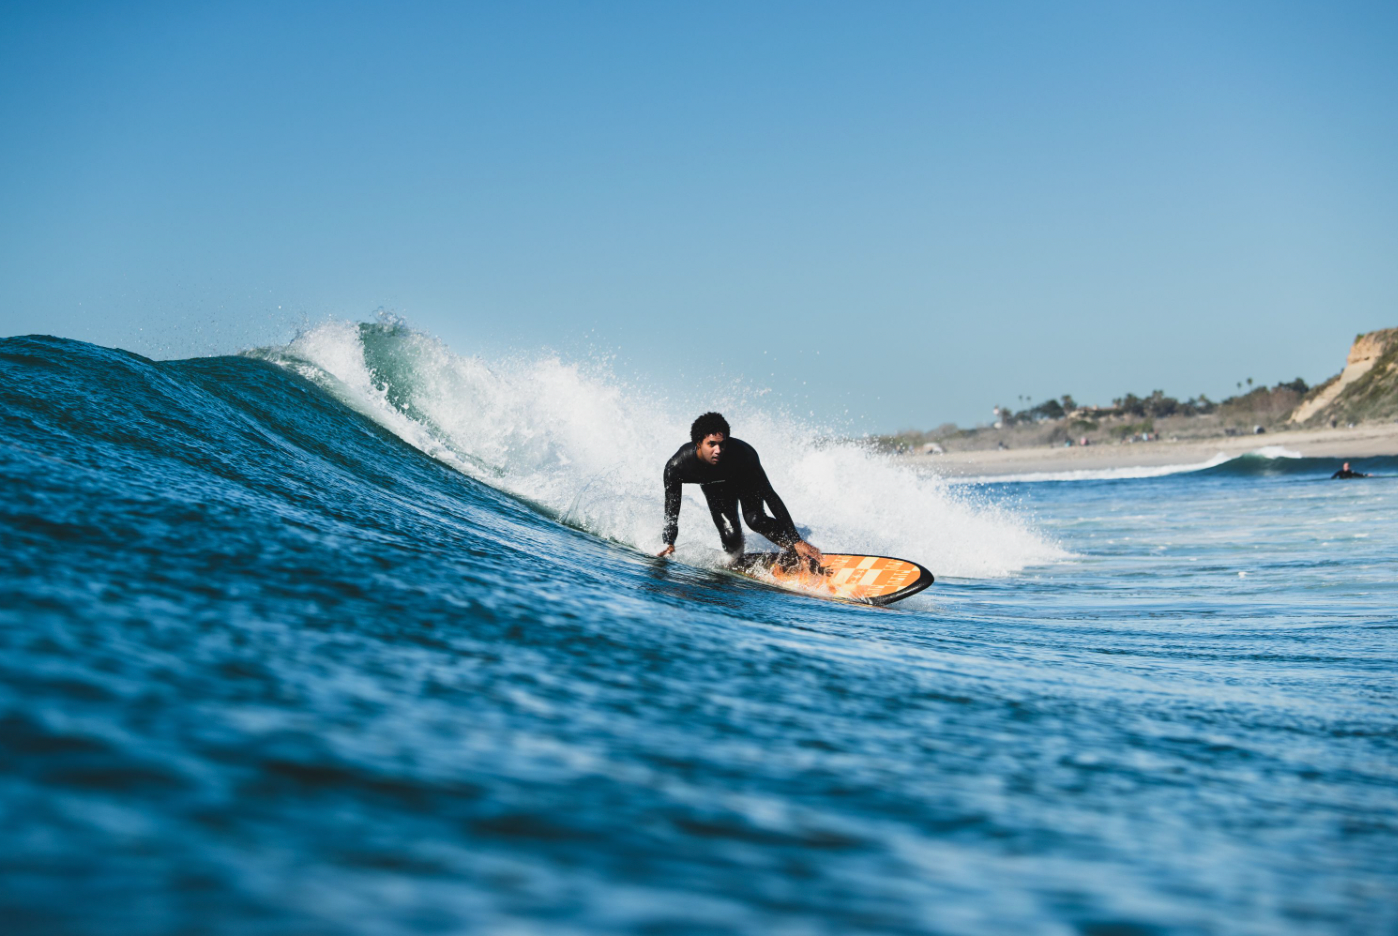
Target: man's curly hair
(707, 425)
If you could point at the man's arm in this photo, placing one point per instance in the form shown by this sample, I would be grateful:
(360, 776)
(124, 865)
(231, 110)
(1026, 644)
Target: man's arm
(673, 490)
(784, 534)
(784, 531)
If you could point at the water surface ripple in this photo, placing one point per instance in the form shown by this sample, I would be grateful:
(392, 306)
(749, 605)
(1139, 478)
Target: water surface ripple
(266, 667)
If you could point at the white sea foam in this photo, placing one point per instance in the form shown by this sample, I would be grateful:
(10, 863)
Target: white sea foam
(590, 449)
(1275, 451)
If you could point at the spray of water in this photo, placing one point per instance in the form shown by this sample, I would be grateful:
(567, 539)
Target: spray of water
(590, 451)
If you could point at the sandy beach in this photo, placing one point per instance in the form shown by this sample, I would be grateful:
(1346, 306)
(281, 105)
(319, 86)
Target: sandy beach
(1365, 441)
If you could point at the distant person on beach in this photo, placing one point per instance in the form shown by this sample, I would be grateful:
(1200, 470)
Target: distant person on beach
(732, 478)
(1344, 472)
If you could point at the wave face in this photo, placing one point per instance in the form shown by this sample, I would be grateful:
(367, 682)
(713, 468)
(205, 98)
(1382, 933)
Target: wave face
(1280, 463)
(361, 636)
(589, 451)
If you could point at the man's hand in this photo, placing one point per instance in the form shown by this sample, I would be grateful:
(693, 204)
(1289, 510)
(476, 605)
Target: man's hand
(808, 552)
(666, 551)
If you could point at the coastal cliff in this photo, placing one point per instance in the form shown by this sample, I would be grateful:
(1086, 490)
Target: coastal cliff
(1366, 389)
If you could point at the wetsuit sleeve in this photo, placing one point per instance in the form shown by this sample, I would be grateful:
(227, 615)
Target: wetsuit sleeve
(673, 489)
(783, 532)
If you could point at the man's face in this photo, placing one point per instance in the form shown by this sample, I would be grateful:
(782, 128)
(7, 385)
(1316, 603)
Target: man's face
(711, 448)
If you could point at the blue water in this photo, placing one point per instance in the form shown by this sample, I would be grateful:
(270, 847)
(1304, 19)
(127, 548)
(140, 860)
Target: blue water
(353, 637)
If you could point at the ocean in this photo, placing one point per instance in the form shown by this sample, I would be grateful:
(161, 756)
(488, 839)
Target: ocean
(361, 635)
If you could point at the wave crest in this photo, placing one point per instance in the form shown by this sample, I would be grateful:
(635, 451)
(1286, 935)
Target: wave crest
(589, 450)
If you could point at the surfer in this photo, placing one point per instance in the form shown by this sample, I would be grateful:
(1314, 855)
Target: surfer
(731, 476)
(1344, 472)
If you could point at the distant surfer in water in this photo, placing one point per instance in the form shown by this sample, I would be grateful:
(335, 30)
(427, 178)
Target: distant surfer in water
(1344, 472)
(731, 475)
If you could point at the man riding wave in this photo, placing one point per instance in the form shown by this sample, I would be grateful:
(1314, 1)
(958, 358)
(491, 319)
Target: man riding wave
(733, 481)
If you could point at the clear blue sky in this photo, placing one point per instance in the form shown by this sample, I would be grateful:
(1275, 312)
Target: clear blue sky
(911, 211)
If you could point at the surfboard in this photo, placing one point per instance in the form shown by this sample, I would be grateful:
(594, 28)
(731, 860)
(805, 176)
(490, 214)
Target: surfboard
(876, 580)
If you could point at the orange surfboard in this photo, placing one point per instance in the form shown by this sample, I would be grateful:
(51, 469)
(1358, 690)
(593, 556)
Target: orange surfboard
(877, 580)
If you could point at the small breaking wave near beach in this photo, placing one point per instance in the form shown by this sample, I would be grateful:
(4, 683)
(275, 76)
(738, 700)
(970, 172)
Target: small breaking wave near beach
(1266, 461)
(589, 450)
(1248, 463)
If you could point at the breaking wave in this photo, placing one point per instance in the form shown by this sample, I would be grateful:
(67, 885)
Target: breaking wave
(588, 449)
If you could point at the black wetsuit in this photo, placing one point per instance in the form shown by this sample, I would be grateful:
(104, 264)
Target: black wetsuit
(1342, 473)
(737, 479)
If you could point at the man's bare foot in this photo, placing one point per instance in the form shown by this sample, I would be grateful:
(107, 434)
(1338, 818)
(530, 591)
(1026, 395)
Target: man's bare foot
(666, 551)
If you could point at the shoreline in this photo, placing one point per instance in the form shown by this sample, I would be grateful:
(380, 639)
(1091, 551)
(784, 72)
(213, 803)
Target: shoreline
(1364, 441)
